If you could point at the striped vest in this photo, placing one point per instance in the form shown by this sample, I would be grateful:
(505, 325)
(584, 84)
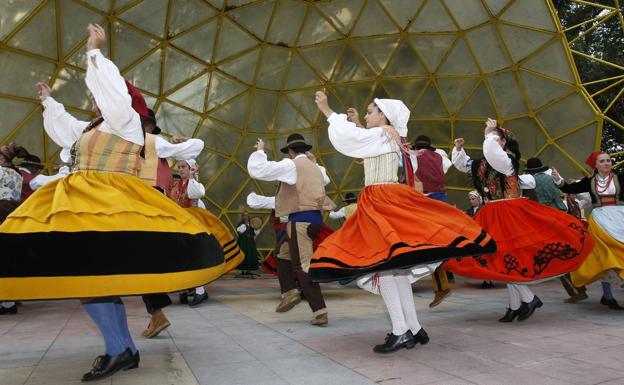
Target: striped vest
(381, 169)
(155, 171)
(100, 151)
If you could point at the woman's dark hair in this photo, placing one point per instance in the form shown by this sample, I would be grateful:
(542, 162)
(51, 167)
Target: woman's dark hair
(385, 117)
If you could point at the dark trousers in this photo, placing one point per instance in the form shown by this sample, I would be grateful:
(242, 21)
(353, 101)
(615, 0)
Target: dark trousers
(290, 266)
(155, 302)
(569, 287)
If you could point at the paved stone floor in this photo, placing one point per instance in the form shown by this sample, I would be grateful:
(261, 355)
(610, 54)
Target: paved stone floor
(237, 338)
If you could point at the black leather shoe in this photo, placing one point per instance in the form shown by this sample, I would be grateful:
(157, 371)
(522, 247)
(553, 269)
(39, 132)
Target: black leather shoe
(530, 308)
(394, 343)
(105, 366)
(421, 337)
(8, 310)
(512, 314)
(136, 358)
(487, 285)
(612, 303)
(197, 299)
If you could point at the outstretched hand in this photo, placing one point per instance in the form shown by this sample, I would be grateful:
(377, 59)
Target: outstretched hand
(354, 117)
(555, 175)
(260, 145)
(490, 125)
(459, 144)
(43, 91)
(320, 98)
(97, 36)
(390, 134)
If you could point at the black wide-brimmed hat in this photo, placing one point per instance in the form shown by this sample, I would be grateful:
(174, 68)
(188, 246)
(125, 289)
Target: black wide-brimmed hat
(350, 198)
(151, 117)
(295, 141)
(423, 141)
(534, 165)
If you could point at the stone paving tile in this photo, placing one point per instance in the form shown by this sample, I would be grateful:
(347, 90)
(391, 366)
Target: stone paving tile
(9, 376)
(245, 373)
(398, 371)
(574, 371)
(513, 376)
(608, 357)
(451, 361)
(237, 338)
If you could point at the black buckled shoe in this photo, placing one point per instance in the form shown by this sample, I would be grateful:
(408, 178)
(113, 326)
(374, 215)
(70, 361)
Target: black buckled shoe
(512, 314)
(421, 337)
(136, 358)
(198, 298)
(612, 303)
(530, 307)
(9, 310)
(105, 366)
(394, 343)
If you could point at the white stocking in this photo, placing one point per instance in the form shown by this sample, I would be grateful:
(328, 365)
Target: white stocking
(526, 295)
(390, 294)
(407, 303)
(514, 296)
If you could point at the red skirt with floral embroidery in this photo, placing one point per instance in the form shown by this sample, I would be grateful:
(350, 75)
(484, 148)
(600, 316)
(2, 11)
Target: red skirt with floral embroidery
(534, 242)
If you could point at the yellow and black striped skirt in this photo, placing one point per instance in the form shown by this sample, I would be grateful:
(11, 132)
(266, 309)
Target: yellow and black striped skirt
(94, 234)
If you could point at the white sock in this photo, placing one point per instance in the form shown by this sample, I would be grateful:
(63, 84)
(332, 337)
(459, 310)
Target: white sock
(514, 296)
(200, 290)
(407, 303)
(390, 294)
(7, 304)
(526, 295)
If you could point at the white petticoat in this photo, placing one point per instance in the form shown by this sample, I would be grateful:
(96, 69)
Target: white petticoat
(415, 273)
(611, 219)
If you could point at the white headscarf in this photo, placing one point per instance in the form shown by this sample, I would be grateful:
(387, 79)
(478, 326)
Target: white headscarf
(475, 193)
(397, 113)
(190, 162)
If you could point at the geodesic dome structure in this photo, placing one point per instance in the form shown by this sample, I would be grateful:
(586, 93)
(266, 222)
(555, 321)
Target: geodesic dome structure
(231, 71)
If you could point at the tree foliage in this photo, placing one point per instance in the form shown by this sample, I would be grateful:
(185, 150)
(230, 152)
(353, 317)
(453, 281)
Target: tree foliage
(604, 41)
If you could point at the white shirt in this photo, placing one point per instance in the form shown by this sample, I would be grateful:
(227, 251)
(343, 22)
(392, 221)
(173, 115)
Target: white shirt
(41, 180)
(195, 190)
(338, 214)
(285, 171)
(496, 157)
(111, 95)
(188, 149)
(260, 202)
(356, 142)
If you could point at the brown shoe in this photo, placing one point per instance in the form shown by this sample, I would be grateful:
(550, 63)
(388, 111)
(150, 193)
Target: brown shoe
(157, 324)
(439, 297)
(576, 297)
(320, 320)
(288, 302)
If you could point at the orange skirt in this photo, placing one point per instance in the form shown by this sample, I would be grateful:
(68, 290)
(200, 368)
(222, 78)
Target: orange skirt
(396, 227)
(534, 242)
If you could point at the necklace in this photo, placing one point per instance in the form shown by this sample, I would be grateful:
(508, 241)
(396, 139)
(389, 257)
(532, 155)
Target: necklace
(602, 184)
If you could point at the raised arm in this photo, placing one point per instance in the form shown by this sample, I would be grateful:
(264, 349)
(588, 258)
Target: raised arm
(188, 149)
(496, 156)
(110, 91)
(260, 202)
(60, 126)
(259, 167)
(459, 158)
(351, 140)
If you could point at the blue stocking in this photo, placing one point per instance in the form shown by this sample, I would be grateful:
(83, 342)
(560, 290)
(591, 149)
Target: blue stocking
(103, 314)
(122, 325)
(606, 290)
